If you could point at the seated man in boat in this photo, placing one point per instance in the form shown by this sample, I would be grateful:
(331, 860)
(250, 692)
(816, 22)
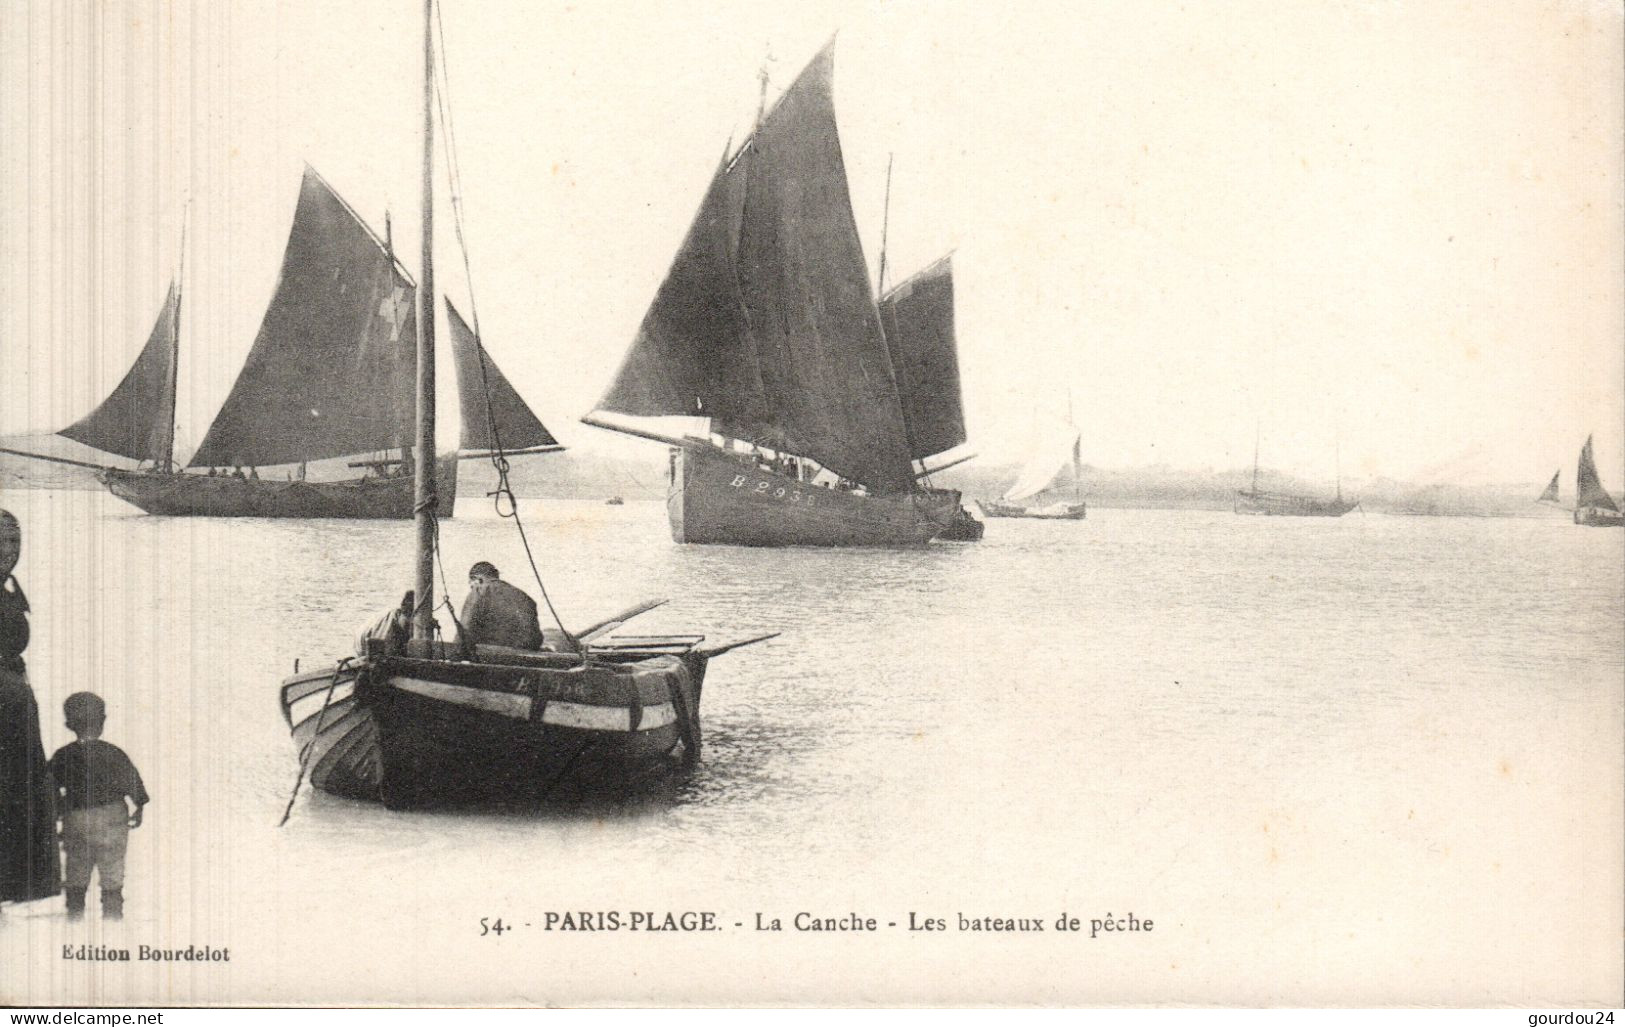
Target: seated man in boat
(497, 613)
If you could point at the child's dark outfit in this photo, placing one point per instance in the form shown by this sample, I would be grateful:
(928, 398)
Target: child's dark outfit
(95, 777)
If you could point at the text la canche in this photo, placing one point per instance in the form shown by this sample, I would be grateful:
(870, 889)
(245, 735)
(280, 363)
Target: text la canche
(808, 922)
(916, 922)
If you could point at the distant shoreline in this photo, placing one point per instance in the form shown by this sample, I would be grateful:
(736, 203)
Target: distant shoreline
(569, 475)
(1100, 503)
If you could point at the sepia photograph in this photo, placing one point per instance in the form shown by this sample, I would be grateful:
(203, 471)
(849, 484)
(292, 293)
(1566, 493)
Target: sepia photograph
(857, 503)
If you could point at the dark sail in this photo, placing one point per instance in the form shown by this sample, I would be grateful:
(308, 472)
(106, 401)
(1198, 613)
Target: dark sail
(138, 419)
(516, 426)
(331, 372)
(1591, 492)
(693, 355)
(825, 368)
(918, 316)
(1550, 495)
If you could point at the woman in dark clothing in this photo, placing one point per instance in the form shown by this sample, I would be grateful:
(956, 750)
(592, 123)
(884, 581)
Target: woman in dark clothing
(28, 858)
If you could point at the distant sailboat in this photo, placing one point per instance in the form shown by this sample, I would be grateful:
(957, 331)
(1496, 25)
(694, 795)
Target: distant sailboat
(331, 374)
(1550, 494)
(1059, 445)
(1281, 504)
(1593, 506)
(823, 401)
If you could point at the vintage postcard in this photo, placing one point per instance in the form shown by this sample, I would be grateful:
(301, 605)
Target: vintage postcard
(852, 503)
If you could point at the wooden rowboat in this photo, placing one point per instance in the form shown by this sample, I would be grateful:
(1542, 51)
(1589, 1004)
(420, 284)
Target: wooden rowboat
(411, 724)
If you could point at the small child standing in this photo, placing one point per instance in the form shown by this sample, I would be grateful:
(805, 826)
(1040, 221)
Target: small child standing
(93, 781)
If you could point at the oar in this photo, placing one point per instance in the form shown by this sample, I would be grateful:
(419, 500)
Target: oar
(720, 649)
(611, 623)
(315, 736)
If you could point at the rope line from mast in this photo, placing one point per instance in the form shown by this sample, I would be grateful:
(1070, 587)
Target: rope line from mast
(445, 589)
(499, 460)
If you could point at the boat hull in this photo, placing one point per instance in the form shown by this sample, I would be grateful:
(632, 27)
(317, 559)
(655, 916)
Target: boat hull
(964, 528)
(417, 732)
(1267, 505)
(202, 495)
(719, 498)
(1598, 517)
(1054, 512)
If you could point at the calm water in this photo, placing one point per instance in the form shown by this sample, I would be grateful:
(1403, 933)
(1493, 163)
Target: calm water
(1376, 759)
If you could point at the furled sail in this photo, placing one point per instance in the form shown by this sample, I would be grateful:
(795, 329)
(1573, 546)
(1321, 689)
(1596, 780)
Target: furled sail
(825, 368)
(332, 369)
(1550, 495)
(138, 419)
(693, 355)
(1057, 446)
(485, 397)
(918, 316)
(1591, 492)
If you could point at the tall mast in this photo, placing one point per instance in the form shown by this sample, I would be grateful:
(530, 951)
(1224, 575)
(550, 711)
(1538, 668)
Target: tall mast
(1338, 450)
(424, 493)
(761, 99)
(389, 250)
(175, 349)
(1077, 441)
(885, 221)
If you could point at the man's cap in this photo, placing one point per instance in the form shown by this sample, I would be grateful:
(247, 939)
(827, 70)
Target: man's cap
(84, 708)
(484, 570)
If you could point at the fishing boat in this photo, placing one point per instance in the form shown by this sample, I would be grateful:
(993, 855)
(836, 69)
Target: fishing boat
(824, 404)
(1257, 502)
(412, 719)
(1548, 495)
(1059, 444)
(330, 375)
(1593, 506)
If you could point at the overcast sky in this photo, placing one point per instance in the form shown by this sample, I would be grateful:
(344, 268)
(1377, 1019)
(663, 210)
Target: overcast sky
(1394, 224)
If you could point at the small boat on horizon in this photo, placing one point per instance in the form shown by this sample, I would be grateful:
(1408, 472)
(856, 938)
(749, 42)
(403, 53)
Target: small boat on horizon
(1549, 494)
(1593, 506)
(1256, 502)
(1059, 445)
(330, 375)
(825, 396)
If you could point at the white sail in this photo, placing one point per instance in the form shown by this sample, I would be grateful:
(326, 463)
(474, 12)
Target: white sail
(1056, 446)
